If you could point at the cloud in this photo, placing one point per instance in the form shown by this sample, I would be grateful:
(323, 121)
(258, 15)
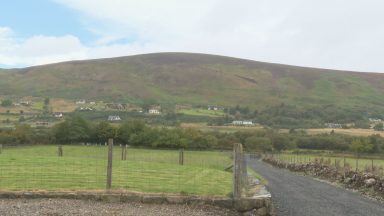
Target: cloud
(339, 34)
(38, 49)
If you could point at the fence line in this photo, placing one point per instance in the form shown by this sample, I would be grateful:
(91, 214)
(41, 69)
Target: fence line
(101, 167)
(375, 166)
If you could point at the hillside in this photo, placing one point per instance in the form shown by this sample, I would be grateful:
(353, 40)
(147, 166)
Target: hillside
(196, 79)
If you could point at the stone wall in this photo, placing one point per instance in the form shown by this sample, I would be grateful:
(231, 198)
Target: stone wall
(258, 206)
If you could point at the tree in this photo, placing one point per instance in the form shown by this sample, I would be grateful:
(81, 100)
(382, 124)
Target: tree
(23, 133)
(6, 103)
(379, 127)
(361, 145)
(46, 105)
(103, 131)
(261, 144)
(281, 142)
(127, 129)
(171, 139)
(75, 129)
(61, 132)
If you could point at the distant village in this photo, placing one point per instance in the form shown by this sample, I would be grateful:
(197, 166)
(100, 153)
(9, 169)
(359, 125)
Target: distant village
(31, 108)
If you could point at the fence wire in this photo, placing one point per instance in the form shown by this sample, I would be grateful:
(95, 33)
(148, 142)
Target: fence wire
(342, 163)
(84, 167)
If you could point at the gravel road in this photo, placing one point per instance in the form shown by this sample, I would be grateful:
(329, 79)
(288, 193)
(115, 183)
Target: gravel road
(62, 207)
(297, 195)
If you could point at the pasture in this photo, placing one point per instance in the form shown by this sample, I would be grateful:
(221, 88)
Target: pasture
(144, 170)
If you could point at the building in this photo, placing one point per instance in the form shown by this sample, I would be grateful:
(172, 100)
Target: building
(243, 123)
(215, 108)
(82, 101)
(154, 111)
(375, 120)
(114, 118)
(333, 125)
(25, 103)
(86, 109)
(58, 115)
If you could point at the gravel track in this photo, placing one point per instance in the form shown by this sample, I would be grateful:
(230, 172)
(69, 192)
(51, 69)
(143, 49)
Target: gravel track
(63, 207)
(295, 195)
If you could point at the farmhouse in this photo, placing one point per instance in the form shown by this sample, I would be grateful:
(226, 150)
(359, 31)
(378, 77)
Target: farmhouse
(114, 118)
(116, 106)
(58, 115)
(82, 101)
(215, 108)
(86, 109)
(243, 123)
(333, 125)
(154, 111)
(25, 103)
(375, 120)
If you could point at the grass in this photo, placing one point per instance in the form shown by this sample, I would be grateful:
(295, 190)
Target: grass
(351, 132)
(223, 129)
(84, 168)
(363, 162)
(202, 112)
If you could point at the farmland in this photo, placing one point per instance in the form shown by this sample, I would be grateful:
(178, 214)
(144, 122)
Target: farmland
(144, 170)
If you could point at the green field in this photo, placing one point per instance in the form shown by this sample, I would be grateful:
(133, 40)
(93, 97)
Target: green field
(84, 168)
(202, 112)
(363, 162)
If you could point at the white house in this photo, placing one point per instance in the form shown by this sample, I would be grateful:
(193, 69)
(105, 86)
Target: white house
(82, 101)
(243, 123)
(215, 108)
(333, 125)
(114, 118)
(154, 111)
(58, 115)
(86, 109)
(375, 120)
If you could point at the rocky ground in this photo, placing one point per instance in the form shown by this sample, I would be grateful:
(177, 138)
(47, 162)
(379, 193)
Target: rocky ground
(63, 207)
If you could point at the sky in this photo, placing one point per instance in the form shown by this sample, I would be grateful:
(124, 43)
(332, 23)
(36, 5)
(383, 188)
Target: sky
(334, 34)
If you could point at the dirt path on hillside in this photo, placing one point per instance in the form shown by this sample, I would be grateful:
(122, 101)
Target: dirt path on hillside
(62, 207)
(295, 195)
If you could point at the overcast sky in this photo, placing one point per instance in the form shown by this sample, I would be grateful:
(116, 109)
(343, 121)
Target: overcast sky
(338, 34)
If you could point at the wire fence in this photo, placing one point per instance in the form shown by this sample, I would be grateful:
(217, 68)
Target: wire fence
(342, 163)
(86, 167)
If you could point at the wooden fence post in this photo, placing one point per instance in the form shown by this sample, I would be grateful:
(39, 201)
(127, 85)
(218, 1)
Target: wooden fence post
(181, 157)
(372, 167)
(60, 151)
(123, 152)
(1, 148)
(357, 164)
(109, 166)
(237, 170)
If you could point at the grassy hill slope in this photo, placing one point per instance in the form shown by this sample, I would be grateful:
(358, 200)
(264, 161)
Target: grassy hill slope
(196, 79)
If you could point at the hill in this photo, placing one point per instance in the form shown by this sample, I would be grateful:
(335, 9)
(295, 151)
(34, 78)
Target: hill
(197, 79)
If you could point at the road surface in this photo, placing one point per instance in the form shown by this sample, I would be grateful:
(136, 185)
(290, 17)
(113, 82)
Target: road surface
(297, 195)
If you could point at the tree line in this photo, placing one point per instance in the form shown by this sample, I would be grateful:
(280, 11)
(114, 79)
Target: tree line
(136, 133)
